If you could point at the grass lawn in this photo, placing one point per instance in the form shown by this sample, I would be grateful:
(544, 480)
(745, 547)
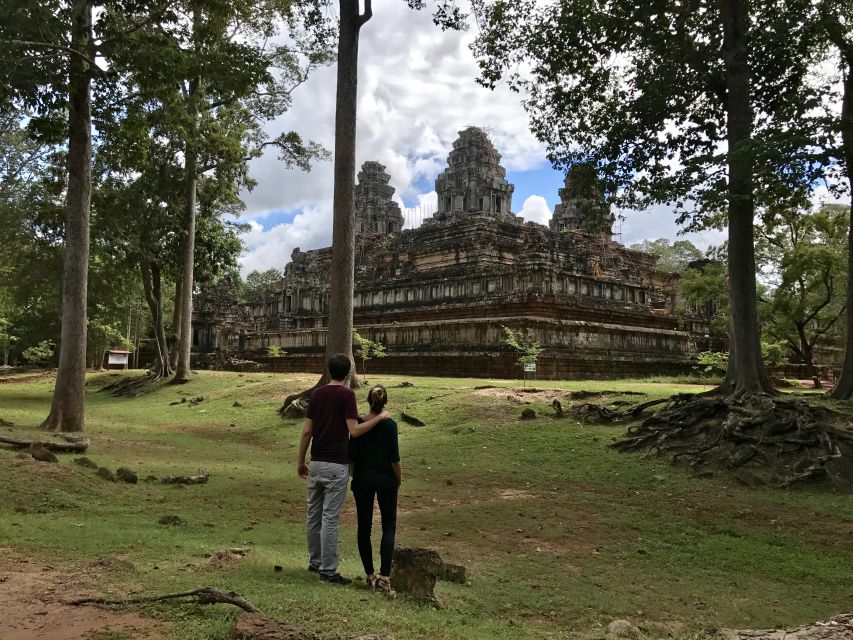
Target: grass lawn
(560, 535)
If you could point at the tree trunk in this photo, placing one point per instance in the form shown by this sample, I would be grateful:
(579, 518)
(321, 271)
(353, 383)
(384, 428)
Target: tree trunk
(806, 351)
(176, 321)
(339, 336)
(153, 295)
(746, 370)
(182, 371)
(843, 389)
(67, 410)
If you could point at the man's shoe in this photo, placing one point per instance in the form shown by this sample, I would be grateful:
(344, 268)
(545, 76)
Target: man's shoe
(335, 579)
(313, 569)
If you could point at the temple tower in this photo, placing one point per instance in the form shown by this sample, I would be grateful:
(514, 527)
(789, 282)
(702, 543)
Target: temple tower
(582, 206)
(375, 211)
(474, 181)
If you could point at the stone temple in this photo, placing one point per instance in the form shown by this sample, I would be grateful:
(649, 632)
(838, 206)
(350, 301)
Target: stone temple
(438, 295)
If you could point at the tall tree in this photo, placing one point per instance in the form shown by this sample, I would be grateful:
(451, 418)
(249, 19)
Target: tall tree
(672, 257)
(210, 78)
(688, 102)
(802, 255)
(339, 334)
(836, 18)
(68, 32)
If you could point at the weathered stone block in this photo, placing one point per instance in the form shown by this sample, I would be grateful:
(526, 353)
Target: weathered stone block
(415, 571)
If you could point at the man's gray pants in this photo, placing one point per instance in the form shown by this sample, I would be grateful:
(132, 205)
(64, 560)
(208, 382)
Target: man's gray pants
(327, 488)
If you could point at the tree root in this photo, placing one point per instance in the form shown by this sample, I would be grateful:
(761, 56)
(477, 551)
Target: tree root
(619, 410)
(70, 444)
(134, 387)
(785, 439)
(296, 404)
(204, 595)
(201, 478)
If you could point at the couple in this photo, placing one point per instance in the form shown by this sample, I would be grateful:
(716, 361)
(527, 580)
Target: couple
(340, 440)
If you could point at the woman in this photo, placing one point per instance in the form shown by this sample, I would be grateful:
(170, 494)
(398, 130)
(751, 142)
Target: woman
(377, 473)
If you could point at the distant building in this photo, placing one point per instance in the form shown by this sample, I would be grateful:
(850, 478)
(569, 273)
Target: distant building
(437, 296)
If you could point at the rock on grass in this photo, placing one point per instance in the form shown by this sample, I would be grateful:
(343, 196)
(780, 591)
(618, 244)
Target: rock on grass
(88, 463)
(106, 474)
(127, 475)
(39, 452)
(622, 629)
(257, 626)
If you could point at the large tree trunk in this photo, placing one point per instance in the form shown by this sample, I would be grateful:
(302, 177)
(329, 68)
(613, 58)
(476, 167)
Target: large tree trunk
(844, 387)
(339, 336)
(154, 298)
(176, 321)
(182, 372)
(68, 406)
(806, 351)
(746, 370)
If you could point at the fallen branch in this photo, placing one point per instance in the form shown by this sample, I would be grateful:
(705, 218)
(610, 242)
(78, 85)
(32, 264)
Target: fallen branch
(202, 478)
(204, 595)
(71, 445)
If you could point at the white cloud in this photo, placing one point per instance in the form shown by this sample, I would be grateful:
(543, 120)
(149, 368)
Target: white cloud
(535, 209)
(416, 92)
(427, 204)
(266, 248)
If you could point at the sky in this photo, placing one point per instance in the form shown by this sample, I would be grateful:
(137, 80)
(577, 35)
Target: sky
(417, 90)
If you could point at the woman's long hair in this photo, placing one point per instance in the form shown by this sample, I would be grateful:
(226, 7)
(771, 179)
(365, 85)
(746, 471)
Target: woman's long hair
(377, 398)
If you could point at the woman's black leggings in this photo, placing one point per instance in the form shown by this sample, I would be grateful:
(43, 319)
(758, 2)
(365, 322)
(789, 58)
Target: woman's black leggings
(387, 498)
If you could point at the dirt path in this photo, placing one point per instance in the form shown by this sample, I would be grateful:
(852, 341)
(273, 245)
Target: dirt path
(33, 606)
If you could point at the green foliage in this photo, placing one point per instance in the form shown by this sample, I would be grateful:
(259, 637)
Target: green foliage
(672, 257)
(275, 351)
(40, 353)
(773, 353)
(706, 291)
(639, 92)
(712, 364)
(367, 349)
(260, 283)
(803, 258)
(524, 342)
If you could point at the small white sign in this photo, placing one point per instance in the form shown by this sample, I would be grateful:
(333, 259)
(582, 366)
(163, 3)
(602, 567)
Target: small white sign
(117, 358)
(529, 367)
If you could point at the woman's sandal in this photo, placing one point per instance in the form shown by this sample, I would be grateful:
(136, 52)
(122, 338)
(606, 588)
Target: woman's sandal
(383, 584)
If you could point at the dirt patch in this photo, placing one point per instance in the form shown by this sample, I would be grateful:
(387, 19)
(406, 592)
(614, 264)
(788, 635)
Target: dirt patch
(34, 596)
(520, 396)
(15, 379)
(515, 494)
(224, 559)
(218, 433)
(29, 466)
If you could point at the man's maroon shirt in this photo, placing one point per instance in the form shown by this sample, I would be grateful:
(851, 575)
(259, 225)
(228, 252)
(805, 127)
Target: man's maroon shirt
(329, 407)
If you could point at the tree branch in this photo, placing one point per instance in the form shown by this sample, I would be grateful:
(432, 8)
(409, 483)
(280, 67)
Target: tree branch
(367, 14)
(64, 49)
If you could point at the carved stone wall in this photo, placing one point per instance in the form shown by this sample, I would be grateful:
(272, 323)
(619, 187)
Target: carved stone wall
(376, 212)
(474, 181)
(437, 295)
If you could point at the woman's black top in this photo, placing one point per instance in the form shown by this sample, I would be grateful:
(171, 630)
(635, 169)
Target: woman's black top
(372, 454)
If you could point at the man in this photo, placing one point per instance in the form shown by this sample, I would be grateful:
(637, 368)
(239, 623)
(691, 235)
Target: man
(331, 419)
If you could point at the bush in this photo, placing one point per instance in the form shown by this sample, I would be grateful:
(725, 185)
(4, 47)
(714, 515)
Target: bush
(275, 352)
(712, 363)
(773, 353)
(41, 353)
